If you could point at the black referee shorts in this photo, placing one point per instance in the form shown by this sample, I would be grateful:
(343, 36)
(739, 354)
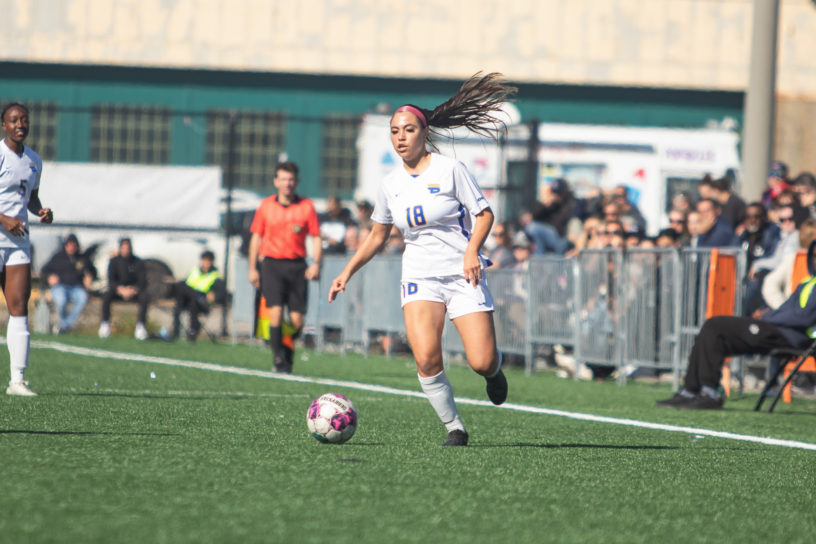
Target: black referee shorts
(283, 283)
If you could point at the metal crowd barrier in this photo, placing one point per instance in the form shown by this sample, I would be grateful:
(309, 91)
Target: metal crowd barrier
(639, 308)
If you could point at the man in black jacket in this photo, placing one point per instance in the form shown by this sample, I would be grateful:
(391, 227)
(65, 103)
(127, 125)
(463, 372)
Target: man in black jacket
(69, 275)
(127, 280)
(793, 324)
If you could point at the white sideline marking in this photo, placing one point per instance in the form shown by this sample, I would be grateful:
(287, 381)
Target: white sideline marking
(88, 352)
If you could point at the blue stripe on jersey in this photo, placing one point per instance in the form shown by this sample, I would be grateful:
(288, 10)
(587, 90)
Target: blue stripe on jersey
(462, 222)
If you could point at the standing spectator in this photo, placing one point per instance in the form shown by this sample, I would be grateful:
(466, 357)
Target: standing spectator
(502, 252)
(69, 275)
(681, 200)
(195, 294)
(127, 280)
(334, 225)
(357, 233)
(758, 236)
(733, 207)
(629, 213)
(20, 170)
(715, 232)
(777, 182)
(445, 220)
(279, 230)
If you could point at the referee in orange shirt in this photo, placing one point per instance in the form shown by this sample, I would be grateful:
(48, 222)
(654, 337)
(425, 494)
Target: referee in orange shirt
(279, 231)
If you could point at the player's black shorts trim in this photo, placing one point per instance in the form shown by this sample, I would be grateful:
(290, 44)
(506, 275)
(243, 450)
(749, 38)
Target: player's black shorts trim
(283, 283)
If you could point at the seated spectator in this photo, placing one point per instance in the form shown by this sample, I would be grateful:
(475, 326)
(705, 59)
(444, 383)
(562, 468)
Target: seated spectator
(556, 207)
(127, 280)
(788, 242)
(723, 336)
(333, 226)
(804, 185)
(69, 275)
(694, 224)
(777, 182)
(502, 253)
(202, 288)
(522, 250)
(629, 213)
(778, 283)
(714, 231)
(589, 236)
(758, 236)
(546, 239)
(681, 201)
(668, 238)
(678, 222)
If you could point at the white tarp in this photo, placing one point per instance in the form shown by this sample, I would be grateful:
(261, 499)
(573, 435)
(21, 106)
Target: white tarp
(132, 195)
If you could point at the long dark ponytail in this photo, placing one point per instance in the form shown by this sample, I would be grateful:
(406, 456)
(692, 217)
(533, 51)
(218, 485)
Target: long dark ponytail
(477, 105)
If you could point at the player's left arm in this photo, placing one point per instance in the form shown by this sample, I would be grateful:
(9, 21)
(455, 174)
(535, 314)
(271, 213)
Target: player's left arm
(481, 228)
(35, 207)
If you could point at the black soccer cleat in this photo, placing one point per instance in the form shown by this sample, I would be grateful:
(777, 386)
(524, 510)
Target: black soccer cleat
(677, 401)
(702, 402)
(497, 388)
(456, 437)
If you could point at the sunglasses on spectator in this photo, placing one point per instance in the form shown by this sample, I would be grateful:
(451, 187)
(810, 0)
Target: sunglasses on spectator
(675, 220)
(499, 233)
(613, 232)
(753, 216)
(786, 219)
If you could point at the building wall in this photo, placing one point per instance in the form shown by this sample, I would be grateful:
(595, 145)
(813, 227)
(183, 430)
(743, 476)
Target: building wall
(703, 44)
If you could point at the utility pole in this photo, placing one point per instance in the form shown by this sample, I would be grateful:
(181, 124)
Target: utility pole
(760, 100)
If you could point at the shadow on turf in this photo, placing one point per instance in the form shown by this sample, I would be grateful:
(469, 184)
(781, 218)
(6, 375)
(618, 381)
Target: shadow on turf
(82, 433)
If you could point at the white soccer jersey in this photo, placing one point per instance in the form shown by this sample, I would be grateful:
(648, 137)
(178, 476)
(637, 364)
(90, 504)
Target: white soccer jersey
(434, 211)
(19, 175)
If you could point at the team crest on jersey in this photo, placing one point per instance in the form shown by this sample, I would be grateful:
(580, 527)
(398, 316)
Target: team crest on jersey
(296, 228)
(33, 168)
(433, 188)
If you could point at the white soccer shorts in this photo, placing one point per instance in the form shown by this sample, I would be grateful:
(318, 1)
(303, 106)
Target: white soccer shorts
(13, 256)
(459, 297)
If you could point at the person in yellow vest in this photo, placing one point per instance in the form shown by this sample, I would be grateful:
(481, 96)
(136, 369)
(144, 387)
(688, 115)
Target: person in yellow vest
(202, 287)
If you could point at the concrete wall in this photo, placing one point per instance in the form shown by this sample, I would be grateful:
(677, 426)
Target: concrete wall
(655, 43)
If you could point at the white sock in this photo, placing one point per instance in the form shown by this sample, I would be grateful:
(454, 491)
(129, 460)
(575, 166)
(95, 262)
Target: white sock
(17, 337)
(440, 394)
(498, 366)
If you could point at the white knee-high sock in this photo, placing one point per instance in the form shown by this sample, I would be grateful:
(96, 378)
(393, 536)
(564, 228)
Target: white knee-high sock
(440, 394)
(18, 339)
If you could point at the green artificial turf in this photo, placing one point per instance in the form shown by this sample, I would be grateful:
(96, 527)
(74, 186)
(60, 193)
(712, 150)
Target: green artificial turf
(122, 451)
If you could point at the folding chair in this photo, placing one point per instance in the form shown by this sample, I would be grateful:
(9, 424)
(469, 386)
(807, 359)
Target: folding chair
(797, 360)
(800, 359)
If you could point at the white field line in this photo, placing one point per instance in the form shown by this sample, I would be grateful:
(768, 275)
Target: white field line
(87, 352)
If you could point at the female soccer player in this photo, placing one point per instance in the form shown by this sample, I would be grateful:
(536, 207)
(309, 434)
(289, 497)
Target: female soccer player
(444, 219)
(20, 169)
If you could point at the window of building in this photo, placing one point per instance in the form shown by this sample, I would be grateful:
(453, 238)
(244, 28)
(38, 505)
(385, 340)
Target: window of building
(259, 143)
(130, 134)
(339, 154)
(42, 130)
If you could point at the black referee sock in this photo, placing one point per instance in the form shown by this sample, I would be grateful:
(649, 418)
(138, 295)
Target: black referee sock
(276, 342)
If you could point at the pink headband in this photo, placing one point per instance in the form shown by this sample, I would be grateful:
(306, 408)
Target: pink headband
(416, 111)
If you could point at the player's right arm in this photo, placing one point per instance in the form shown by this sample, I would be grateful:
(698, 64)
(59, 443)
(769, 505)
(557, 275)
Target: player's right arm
(376, 239)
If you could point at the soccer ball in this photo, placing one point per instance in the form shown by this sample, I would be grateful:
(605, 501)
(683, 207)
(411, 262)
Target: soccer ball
(332, 418)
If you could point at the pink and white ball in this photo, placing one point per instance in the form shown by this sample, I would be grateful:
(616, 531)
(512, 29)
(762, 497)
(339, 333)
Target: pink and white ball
(332, 418)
